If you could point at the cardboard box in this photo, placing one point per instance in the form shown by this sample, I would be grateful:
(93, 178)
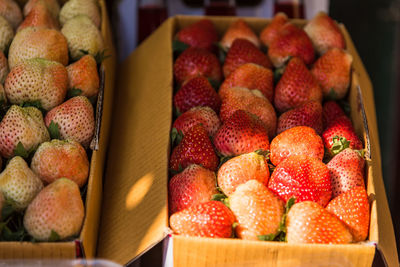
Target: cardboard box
(85, 245)
(135, 206)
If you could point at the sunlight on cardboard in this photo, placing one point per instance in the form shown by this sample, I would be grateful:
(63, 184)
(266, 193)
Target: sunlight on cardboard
(138, 191)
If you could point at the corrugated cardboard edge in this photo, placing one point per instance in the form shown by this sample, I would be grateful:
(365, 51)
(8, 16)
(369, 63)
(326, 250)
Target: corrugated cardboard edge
(88, 236)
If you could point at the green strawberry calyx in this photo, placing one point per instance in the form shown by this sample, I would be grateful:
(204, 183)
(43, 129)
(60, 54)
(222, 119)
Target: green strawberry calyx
(339, 144)
(54, 130)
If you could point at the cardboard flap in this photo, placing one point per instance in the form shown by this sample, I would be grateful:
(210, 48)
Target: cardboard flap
(134, 210)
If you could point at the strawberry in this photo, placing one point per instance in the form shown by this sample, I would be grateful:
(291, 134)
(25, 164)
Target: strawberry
(308, 114)
(10, 10)
(6, 34)
(250, 76)
(61, 158)
(83, 75)
(332, 71)
(195, 148)
(240, 169)
(242, 133)
(302, 177)
(83, 37)
(290, 41)
(239, 29)
(308, 222)
(57, 208)
(299, 140)
(251, 101)
(75, 119)
(257, 210)
(330, 112)
(346, 170)
(324, 33)
(269, 33)
(52, 6)
(3, 67)
(198, 115)
(74, 8)
(352, 208)
(196, 92)
(207, 219)
(19, 183)
(37, 79)
(21, 125)
(241, 52)
(33, 42)
(336, 131)
(201, 34)
(192, 186)
(296, 87)
(197, 62)
(40, 16)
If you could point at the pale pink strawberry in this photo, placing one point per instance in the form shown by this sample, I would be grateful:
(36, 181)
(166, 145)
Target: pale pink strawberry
(10, 10)
(83, 75)
(239, 29)
(52, 6)
(75, 119)
(192, 186)
(40, 16)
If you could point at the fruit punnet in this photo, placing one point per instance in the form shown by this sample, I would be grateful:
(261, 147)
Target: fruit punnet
(306, 158)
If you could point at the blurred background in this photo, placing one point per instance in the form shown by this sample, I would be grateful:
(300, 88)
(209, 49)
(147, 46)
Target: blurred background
(373, 25)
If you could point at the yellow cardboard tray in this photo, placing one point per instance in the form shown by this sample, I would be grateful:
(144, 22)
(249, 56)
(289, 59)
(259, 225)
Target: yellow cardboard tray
(86, 243)
(135, 206)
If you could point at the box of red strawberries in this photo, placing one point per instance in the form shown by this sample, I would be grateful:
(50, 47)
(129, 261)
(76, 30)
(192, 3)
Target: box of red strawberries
(246, 142)
(56, 89)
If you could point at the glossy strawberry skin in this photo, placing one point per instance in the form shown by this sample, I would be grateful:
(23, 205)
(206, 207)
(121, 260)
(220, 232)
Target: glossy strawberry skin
(269, 33)
(195, 148)
(239, 29)
(242, 133)
(330, 112)
(208, 219)
(197, 92)
(296, 87)
(352, 208)
(195, 62)
(241, 52)
(250, 76)
(192, 186)
(303, 177)
(308, 222)
(290, 41)
(201, 34)
(299, 140)
(309, 114)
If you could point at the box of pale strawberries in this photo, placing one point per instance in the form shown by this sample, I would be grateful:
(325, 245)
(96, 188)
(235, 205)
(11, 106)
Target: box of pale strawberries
(56, 81)
(246, 142)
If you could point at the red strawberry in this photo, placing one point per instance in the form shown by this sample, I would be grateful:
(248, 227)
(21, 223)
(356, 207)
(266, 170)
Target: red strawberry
(332, 71)
(250, 76)
(83, 75)
(241, 52)
(302, 177)
(40, 16)
(75, 119)
(239, 29)
(242, 133)
(201, 34)
(330, 112)
(251, 101)
(290, 41)
(299, 140)
(341, 128)
(196, 92)
(352, 208)
(296, 87)
(324, 33)
(192, 186)
(257, 210)
(208, 219)
(309, 114)
(270, 32)
(195, 148)
(198, 115)
(240, 169)
(308, 222)
(346, 170)
(195, 62)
